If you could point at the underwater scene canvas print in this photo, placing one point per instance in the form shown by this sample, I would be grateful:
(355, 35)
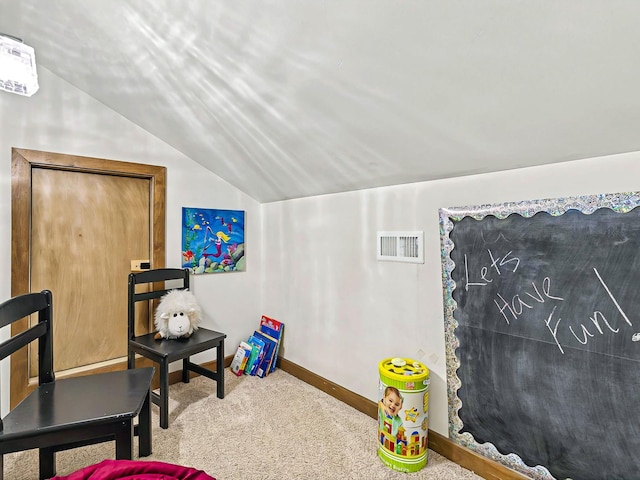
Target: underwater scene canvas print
(212, 240)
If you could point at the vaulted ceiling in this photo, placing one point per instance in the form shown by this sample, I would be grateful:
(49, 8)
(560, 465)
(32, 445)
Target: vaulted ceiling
(291, 98)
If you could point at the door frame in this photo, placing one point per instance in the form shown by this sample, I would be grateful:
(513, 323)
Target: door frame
(22, 163)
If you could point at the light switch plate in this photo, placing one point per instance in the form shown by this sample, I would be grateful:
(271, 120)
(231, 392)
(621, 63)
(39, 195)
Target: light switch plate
(140, 265)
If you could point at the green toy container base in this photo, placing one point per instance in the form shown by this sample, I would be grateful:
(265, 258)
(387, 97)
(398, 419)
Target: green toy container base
(403, 414)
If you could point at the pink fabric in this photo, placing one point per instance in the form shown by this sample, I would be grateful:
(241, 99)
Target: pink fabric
(135, 470)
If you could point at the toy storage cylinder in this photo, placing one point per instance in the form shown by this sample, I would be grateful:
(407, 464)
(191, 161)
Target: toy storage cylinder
(403, 414)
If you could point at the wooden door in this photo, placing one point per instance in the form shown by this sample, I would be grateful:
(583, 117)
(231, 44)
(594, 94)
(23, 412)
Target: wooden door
(77, 223)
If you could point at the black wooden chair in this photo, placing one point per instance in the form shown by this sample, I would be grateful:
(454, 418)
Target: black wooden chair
(163, 352)
(71, 412)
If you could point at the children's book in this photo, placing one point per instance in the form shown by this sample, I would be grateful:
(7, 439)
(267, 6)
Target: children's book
(270, 345)
(239, 361)
(274, 329)
(257, 354)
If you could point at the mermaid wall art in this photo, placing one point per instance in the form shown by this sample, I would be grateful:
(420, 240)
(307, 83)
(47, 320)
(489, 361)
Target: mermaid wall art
(212, 240)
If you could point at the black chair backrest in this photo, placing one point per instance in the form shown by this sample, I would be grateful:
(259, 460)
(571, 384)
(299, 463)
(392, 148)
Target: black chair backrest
(150, 277)
(19, 307)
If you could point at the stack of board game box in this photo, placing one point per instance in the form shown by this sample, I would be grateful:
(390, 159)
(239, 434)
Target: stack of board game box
(259, 353)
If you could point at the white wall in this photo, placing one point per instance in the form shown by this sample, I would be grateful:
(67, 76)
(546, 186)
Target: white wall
(344, 311)
(60, 118)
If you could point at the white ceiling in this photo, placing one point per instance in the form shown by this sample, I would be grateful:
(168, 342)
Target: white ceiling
(291, 98)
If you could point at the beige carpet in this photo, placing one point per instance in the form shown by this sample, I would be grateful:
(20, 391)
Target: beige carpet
(272, 428)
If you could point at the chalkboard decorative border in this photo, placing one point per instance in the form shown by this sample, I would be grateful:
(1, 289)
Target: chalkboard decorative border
(587, 204)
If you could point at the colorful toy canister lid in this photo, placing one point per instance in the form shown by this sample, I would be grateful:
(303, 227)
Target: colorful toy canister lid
(403, 370)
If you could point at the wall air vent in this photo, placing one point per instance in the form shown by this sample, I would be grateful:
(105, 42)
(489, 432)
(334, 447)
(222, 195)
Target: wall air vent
(401, 247)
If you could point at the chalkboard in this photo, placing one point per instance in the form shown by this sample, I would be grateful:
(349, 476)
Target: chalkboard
(542, 322)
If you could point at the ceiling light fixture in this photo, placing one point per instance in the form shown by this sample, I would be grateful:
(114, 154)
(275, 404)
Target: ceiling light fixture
(17, 66)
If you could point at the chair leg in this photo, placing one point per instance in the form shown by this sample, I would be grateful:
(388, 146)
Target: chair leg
(131, 360)
(164, 394)
(185, 370)
(220, 369)
(47, 463)
(1, 467)
(144, 428)
(124, 441)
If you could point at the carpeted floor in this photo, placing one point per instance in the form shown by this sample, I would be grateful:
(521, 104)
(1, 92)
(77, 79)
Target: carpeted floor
(271, 428)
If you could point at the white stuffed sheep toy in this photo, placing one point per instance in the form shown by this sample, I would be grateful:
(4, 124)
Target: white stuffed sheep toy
(178, 315)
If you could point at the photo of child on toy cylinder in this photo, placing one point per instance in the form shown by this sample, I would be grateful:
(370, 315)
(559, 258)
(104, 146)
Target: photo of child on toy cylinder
(391, 403)
(400, 425)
